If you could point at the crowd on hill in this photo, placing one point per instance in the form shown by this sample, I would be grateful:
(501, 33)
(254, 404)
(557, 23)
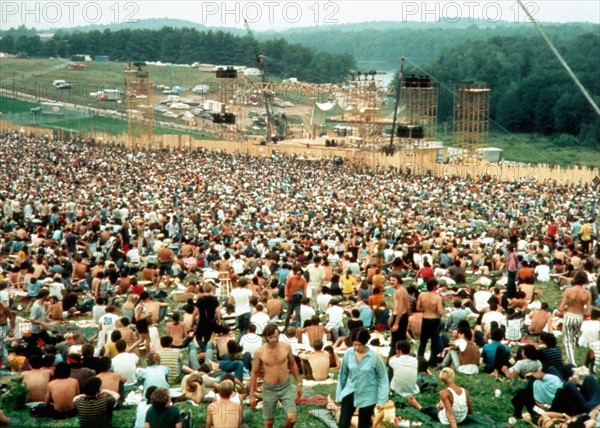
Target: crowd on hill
(220, 274)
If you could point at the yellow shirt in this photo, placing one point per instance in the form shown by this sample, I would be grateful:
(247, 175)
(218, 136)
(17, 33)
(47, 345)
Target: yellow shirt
(586, 232)
(348, 284)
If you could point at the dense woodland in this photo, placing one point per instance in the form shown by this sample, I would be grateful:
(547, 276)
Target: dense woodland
(531, 91)
(186, 46)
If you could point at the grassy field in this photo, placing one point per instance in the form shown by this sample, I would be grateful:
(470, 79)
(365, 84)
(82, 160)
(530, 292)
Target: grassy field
(533, 148)
(481, 388)
(35, 76)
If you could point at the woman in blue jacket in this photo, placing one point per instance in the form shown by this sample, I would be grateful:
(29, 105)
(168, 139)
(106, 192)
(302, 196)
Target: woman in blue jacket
(362, 370)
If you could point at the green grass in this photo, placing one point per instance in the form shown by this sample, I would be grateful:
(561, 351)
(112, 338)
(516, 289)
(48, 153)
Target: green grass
(481, 388)
(535, 149)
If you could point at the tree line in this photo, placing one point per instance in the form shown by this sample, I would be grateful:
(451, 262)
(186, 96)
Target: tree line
(186, 46)
(531, 91)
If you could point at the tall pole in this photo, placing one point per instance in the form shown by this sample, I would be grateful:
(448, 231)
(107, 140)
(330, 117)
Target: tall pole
(398, 93)
(558, 56)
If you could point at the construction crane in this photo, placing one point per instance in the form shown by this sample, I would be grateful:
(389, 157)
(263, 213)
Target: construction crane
(266, 95)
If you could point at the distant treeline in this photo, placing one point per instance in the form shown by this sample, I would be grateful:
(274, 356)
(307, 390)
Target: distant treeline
(531, 91)
(186, 46)
(380, 45)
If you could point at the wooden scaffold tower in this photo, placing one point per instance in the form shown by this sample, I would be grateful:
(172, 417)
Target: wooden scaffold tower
(140, 115)
(419, 117)
(471, 118)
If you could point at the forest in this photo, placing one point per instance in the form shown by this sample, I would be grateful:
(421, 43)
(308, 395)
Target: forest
(185, 46)
(531, 91)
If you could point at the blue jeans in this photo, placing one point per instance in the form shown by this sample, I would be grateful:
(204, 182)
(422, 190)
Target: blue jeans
(244, 322)
(232, 366)
(3, 347)
(193, 356)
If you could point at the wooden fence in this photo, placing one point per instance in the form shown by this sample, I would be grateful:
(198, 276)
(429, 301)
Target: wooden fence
(422, 163)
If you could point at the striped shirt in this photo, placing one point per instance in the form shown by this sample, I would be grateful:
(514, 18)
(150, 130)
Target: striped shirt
(95, 411)
(171, 358)
(551, 357)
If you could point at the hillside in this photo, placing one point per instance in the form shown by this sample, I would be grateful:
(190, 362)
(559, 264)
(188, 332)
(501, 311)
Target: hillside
(380, 45)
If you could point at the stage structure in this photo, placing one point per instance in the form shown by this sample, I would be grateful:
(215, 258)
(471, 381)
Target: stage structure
(362, 102)
(140, 115)
(471, 118)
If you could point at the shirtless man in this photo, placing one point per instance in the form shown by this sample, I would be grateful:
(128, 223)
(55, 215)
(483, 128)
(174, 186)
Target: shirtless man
(400, 310)
(165, 256)
(430, 303)
(576, 302)
(224, 413)
(79, 269)
(61, 392)
(7, 327)
(36, 380)
(315, 365)
(55, 309)
(110, 380)
(276, 359)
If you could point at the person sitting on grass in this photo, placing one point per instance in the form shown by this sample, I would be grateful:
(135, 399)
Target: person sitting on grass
(142, 408)
(224, 413)
(315, 365)
(61, 392)
(192, 387)
(162, 414)
(95, 406)
(527, 363)
(454, 405)
(110, 381)
(36, 380)
(495, 355)
(154, 374)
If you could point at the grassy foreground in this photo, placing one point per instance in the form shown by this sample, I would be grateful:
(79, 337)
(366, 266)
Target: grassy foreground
(481, 388)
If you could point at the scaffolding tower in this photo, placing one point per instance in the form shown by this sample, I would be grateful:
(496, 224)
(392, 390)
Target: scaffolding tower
(471, 118)
(362, 101)
(140, 115)
(420, 96)
(418, 121)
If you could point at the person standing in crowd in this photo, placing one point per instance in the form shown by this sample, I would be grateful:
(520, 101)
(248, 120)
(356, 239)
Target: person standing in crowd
(576, 302)
(430, 303)
(276, 359)
(362, 383)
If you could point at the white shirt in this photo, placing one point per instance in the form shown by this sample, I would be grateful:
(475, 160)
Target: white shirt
(481, 299)
(293, 341)
(491, 316)
(306, 313)
(260, 320)
(404, 381)
(542, 272)
(323, 301)
(238, 266)
(125, 364)
(56, 289)
(316, 275)
(335, 317)
(107, 323)
(4, 297)
(241, 299)
(250, 343)
(590, 332)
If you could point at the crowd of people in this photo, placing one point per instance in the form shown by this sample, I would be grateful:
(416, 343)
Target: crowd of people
(222, 274)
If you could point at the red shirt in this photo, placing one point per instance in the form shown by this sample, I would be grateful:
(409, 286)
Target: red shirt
(137, 289)
(293, 284)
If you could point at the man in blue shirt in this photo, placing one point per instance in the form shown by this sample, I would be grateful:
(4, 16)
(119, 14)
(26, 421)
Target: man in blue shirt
(495, 355)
